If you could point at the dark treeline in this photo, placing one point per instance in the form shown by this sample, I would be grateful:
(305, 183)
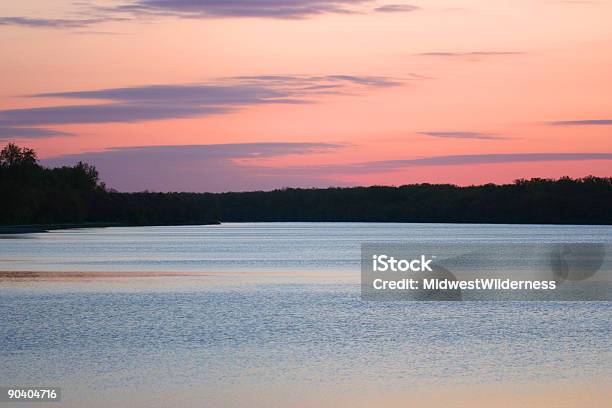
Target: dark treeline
(32, 194)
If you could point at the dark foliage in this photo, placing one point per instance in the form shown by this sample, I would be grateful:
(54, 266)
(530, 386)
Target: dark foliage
(31, 194)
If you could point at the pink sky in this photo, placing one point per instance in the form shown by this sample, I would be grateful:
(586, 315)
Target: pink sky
(251, 94)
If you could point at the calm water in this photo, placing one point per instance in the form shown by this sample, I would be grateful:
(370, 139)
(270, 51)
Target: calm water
(280, 317)
(244, 247)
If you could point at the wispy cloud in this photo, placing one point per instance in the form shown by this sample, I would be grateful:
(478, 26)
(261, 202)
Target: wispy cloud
(223, 150)
(584, 122)
(174, 101)
(91, 14)
(9, 132)
(214, 168)
(464, 135)
(373, 167)
(233, 91)
(454, 160)
(280, 9)
(397, 8)
(187, 94)
(59, 23)
(106, 113)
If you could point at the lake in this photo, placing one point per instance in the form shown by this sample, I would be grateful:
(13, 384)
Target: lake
(269, 314)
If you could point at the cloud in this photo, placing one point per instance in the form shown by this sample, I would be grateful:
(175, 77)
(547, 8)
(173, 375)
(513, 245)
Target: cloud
(223, 151)
(213, 168)
(455, 160)
(174, 101)
(463, 135)
(107, 113)
(55, 22)
(241, 90)
(203, 9)
(377, 81)
(323, 81)
(189, 93)
(396, 8)
(9, 132)
(279, 9)
(384, 166)
(587, 122)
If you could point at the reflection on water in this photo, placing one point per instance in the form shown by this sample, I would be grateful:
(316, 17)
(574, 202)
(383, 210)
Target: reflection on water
(235, 342)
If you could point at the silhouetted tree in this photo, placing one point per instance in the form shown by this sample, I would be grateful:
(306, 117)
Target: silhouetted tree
(32, 194)
(14, 156)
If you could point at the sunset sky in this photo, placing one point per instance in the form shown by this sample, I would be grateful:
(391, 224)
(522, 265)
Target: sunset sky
(232, 95)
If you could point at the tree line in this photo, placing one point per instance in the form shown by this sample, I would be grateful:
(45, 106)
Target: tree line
(33, 194)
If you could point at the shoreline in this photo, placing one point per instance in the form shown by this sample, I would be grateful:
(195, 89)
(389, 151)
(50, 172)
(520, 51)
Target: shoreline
(38, 228)
(41, 228)
(8, 230)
